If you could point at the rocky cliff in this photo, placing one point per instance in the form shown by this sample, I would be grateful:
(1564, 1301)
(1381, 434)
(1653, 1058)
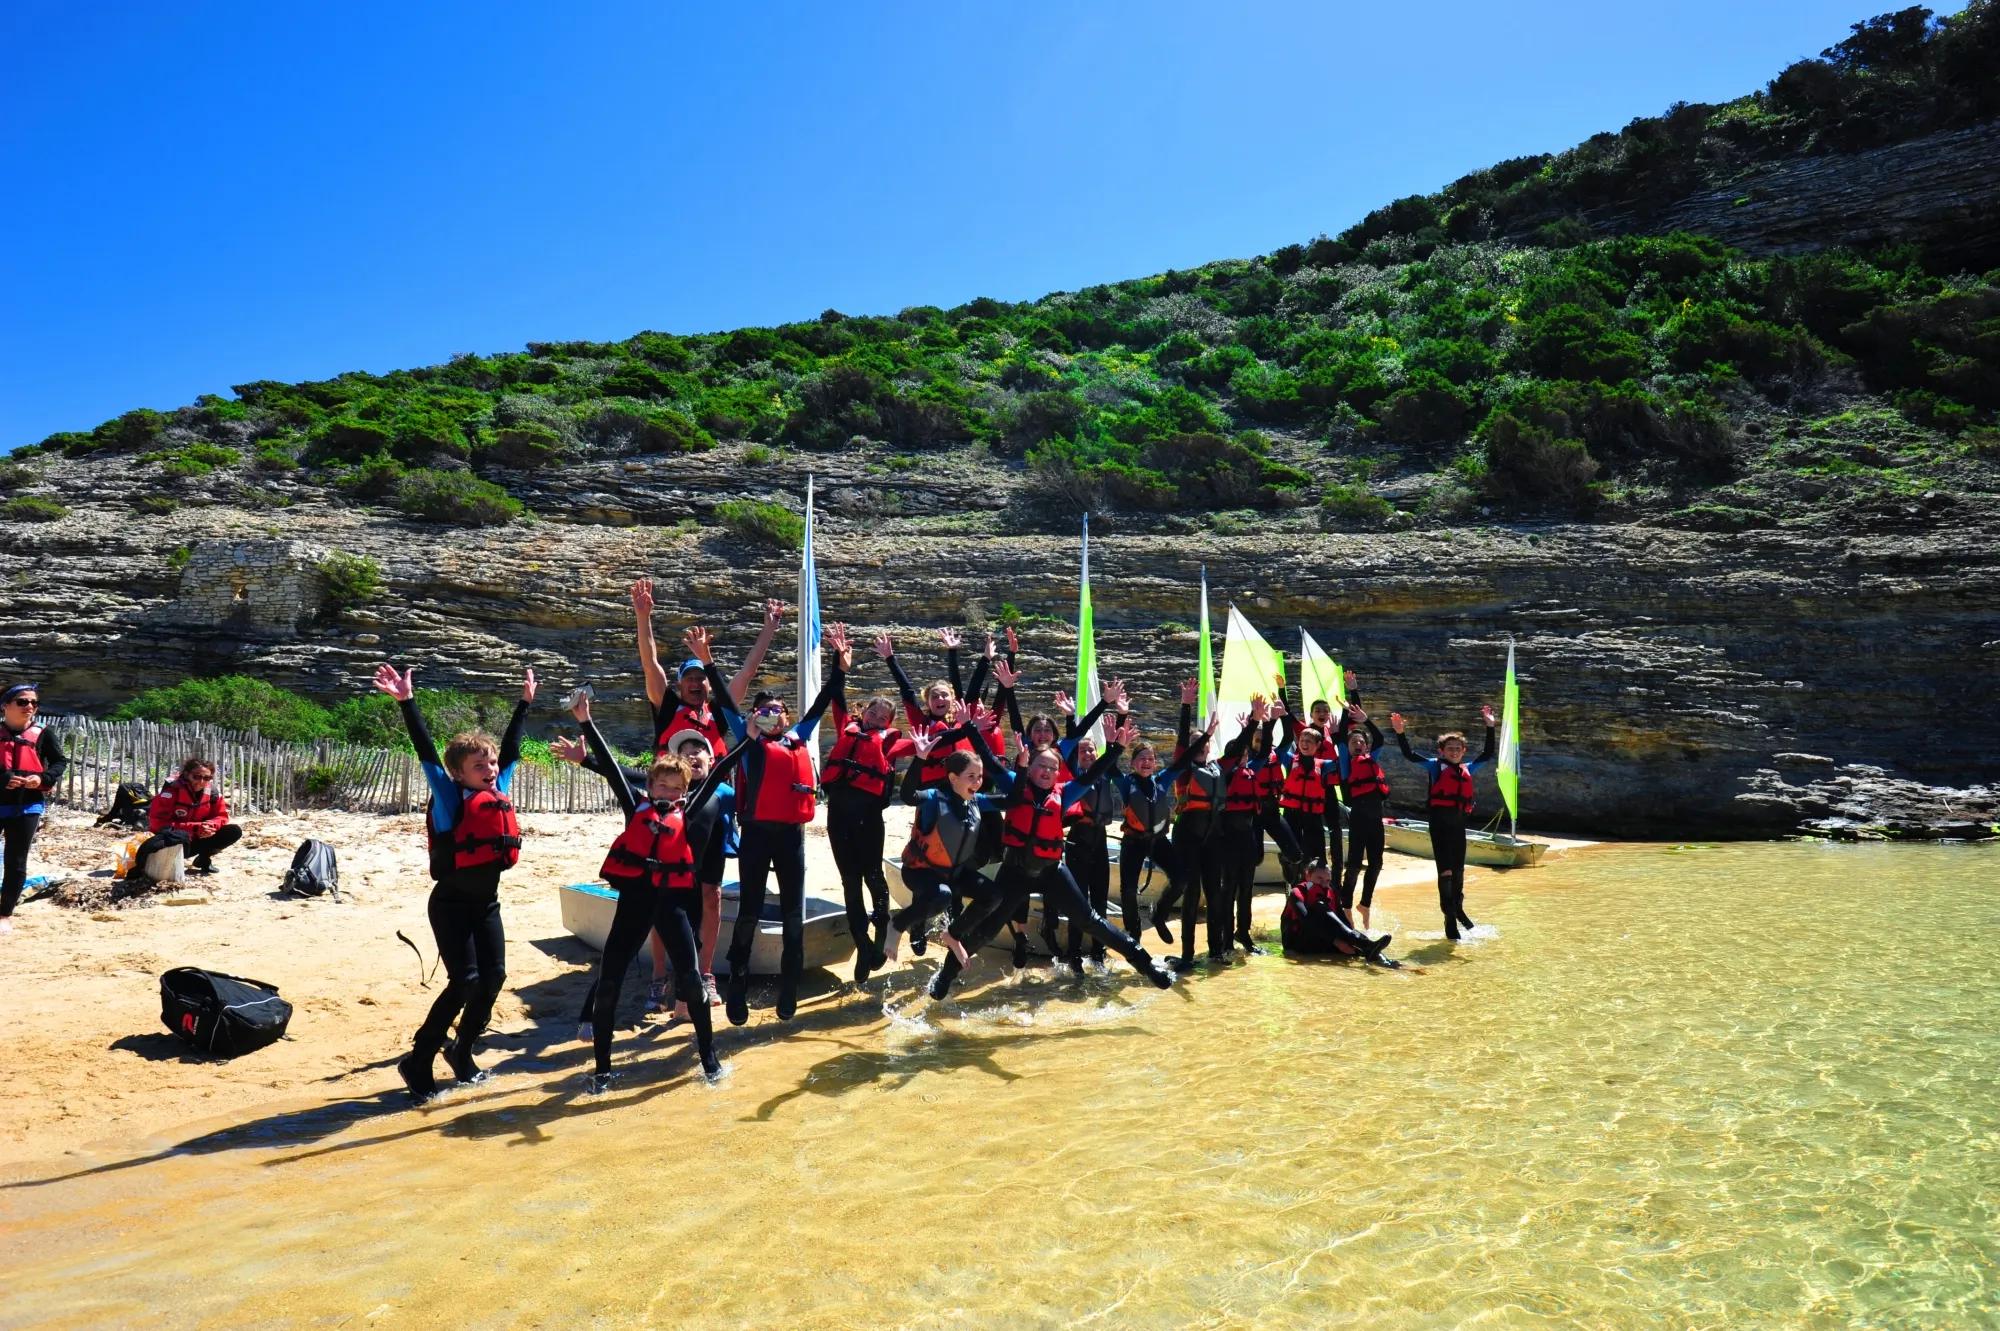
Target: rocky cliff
(1832, 667)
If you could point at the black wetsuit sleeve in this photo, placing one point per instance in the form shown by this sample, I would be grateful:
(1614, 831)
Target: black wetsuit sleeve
(903, 685)
(54, 761)
(1077, 725)
(621, 789)
(981, 747)
(1106, 762)
(718, 776)
(1181, 763)
(728, 763)
(835, 683)
(1187, 722)
(1237, 747)
(719, 688)
(978, 682)
(1403, 743)
(1485, 754)
(420, 735)
(510, 742)
(1374, 735)
(951, 672)
(1013, 711)
(1288, 725)
(912, 788)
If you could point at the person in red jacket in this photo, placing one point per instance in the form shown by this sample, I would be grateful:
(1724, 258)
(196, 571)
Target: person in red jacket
(190, 812)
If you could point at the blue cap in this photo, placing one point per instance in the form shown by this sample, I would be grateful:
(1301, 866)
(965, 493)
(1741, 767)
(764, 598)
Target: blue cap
(692, 666)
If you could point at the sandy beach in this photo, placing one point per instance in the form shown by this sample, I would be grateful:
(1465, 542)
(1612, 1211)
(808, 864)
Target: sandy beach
(90, 1067)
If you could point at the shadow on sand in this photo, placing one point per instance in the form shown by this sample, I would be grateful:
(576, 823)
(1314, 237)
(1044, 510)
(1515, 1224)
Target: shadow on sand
(492, 1109)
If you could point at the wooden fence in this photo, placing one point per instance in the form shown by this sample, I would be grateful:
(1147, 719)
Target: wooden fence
(258, 775)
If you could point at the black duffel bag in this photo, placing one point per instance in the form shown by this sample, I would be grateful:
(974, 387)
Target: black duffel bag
(315, 871)
(221, 1014)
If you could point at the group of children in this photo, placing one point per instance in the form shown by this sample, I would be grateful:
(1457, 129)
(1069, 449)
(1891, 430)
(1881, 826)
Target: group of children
(1030, 799)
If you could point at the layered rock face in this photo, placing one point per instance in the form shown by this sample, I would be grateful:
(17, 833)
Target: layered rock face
(1674, 683)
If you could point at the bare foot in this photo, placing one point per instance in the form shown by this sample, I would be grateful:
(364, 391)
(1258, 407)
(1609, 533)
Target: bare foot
(957, 948)
(1364, 917)
(6, 924)
(892, 943)
(680, 1013)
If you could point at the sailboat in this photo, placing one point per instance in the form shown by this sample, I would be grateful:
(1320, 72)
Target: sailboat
(1490, 847)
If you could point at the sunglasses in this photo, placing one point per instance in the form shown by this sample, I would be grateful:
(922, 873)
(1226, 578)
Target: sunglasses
(24, 702)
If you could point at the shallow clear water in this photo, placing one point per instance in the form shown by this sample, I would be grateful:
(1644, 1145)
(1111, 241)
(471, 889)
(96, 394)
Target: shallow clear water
(1745, 1085)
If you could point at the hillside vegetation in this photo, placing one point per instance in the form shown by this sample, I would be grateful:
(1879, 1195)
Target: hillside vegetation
(1474, 337)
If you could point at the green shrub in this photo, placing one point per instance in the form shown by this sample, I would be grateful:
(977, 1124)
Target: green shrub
(13, 477)
(525, 446)
(1533, 466)
(376, 478)
(32, 508)
(638, 427)
(756, 455)
(772, 524)
(178, 557)
(235, 702)
(456, 497)
(1354, 503)
(276, 455)
(196, 459)
(351, 581)
(156, 505)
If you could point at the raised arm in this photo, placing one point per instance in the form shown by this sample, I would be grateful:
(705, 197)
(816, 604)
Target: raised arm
(402, 687)
(739, 683)
(510, 742)
(1486, 751)
(806, 724)
(649, 655)
(607, 765)
(951, 641)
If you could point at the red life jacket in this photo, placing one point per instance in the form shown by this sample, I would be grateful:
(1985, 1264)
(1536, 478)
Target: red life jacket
(1303, 789)
(1365, 778)
(785, 783)
(192, 808)
(1452, 788)
(1303, 897)
(930, 771)
(684, 717)
(20, 753)
(653, 850)
(1270, 780)
(860, 760)
(1243, 792)
(1035, 824)
(487, 832)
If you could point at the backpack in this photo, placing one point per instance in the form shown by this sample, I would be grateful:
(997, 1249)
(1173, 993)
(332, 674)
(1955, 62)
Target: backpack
(314, 871)
(128, 806)
(221, 1014)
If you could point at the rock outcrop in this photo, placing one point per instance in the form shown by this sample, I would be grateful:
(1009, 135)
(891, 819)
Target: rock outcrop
(1675, 683)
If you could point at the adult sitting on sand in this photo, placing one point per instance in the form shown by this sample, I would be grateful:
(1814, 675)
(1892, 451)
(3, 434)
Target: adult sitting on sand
(188, 812)
(31, 762)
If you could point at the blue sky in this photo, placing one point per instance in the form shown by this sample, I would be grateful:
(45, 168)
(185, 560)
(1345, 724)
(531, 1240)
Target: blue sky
(206, 194)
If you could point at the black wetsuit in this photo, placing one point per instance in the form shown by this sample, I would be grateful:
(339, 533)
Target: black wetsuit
(21, 812)
(643, 907)
(1198, 842)
(464, 911)
(933, 890)
(1364, 827)
(1022, 874)
(855, 834)
(1448, 836)
(1149, 816)
(764, 848)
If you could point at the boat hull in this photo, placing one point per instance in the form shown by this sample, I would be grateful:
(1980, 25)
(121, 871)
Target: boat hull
(1494, 850)
(587, 909)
